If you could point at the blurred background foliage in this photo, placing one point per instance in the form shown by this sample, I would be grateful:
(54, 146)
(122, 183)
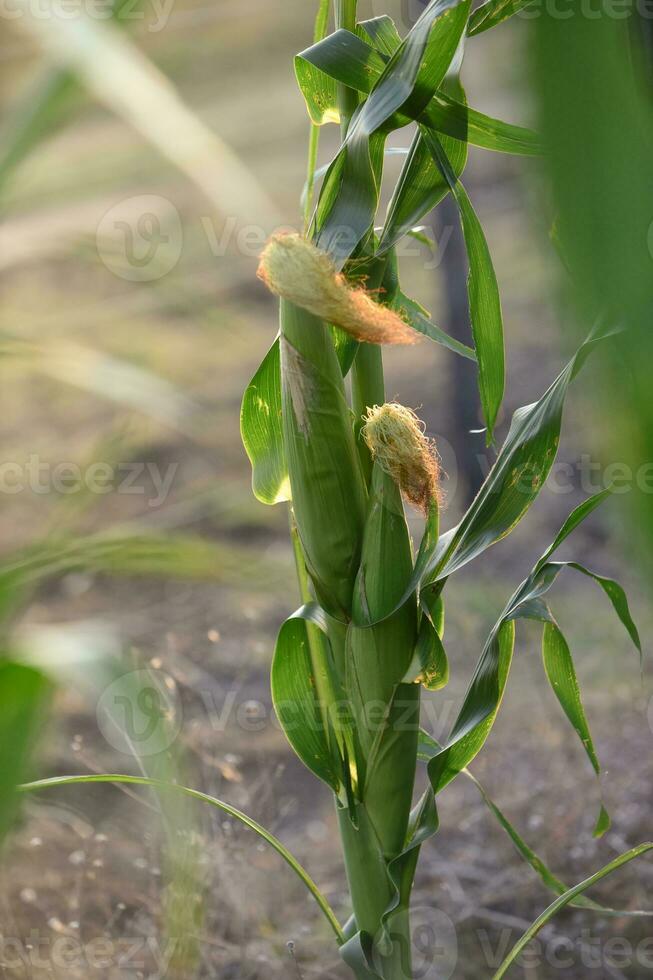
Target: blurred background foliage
(142, 165)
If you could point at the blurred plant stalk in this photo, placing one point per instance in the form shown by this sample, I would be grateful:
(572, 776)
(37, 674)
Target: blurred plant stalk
(121, 77)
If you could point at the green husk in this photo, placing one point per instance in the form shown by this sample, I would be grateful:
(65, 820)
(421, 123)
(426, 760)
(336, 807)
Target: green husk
(328, 490)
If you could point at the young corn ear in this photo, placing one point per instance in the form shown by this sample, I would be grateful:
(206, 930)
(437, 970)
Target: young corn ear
(396, 440)
(386, 710)
(328, 490)
(293, 268)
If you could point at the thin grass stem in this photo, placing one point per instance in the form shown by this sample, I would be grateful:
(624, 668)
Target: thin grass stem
(44, 784)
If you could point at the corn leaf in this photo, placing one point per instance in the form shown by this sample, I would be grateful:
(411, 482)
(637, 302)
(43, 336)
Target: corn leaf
(344, 58)
(420, 187)
(428, 747)
(492, 13)
(561, 674)
(514, 482)
(350, 193)
(383, 33)
(485, 692)
(295, 695)
(341, 58)
(415, 314)
(565, 900)
(260, 430)
(617, 597)
(483, 290)
(455, 118)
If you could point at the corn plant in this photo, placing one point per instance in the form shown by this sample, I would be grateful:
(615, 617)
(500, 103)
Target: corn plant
(350, 664)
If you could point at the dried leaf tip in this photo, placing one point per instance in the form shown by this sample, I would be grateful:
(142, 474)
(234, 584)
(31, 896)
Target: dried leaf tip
(396, 440)
(292, 267)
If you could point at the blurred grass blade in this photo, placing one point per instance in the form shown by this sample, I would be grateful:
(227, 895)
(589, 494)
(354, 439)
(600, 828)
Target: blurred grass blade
(44, 784)
(111, 378)
(42, 109)
(119, 75)
(261, 430)
(24, 694)
(483, 291)
(123, 552)
(33, 118)
(565, 900)
(492, 13)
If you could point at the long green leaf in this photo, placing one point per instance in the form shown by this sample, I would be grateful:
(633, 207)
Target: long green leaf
(617, 597)
(567, 899)
(561, 673)
(382, 32)
(514, 482)
(485, 693)
(56, 781)
(420, 186)
(483, 290)
(428, 748)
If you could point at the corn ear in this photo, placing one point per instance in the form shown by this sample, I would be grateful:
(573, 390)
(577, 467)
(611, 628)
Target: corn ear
(328, 492)
(293, 268)
(379, 656)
